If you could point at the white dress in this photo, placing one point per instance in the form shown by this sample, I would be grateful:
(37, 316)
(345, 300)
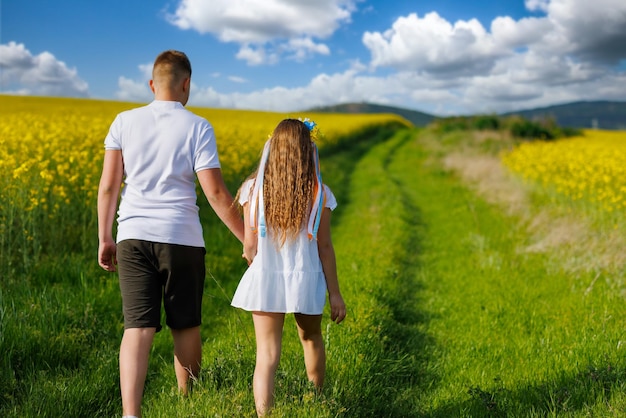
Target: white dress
(287, 280)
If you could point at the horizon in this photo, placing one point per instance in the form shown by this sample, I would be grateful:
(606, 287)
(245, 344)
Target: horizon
(317, 108)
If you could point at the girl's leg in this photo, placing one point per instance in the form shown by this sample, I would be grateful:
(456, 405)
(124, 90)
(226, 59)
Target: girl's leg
(187, 356)
(268, 329)
(310, 332)
(134, 354)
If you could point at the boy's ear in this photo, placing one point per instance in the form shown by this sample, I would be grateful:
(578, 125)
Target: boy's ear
(151, 83)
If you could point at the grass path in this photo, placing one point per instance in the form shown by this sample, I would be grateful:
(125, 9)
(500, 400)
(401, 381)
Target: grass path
(491, 330)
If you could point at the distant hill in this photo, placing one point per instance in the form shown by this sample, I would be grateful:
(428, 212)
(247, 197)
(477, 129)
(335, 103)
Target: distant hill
(597, 114)
(586, 114)
(413, 116)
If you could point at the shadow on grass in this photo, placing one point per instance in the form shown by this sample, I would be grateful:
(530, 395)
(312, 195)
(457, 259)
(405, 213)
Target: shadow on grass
(580, 392)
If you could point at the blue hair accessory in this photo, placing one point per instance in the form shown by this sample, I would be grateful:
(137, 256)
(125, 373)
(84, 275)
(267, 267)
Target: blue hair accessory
(309, 124)
(312, 127)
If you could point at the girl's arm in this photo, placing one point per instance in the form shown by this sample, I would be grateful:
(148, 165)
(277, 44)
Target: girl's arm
(249, 237)
(108, 193)
(329, 265)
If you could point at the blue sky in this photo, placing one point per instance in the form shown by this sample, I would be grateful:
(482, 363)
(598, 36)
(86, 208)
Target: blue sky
(442, 57)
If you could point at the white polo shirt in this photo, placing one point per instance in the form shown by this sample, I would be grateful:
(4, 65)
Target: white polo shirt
(163, 146)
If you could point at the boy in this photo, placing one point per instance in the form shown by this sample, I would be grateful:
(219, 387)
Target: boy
(157, 151)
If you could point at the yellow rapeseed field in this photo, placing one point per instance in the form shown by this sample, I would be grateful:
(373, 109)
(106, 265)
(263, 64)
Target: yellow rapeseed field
(590, 168)
(51, 152)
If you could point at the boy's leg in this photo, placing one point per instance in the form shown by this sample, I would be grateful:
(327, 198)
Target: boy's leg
(141, 301)
(187, 355)
(134, 355)
(310, 332)
(184, 271)
(268, 329)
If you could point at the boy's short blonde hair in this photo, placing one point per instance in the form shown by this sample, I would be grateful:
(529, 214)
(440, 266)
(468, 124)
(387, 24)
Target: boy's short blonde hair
(170, 67)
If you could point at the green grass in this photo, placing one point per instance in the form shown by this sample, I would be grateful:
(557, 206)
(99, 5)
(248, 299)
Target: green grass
(447, 316)
(510, 334)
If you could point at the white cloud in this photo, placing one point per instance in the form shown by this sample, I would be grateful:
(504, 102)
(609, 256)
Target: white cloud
(570, 53)
(208, 97)
(236, 79)
(432, 44)
(547, 70)
(256, 55)
(297, 49)
(302, 48)
(587, 31)
(322, 90)
(595, 30)
(520, 33)
(15, 56)
(253, 24)
(133, 91)
(146, 71)
(136, 90)
(537, 5)
(42, 74)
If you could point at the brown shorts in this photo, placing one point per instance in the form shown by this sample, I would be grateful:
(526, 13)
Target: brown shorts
(151, 273)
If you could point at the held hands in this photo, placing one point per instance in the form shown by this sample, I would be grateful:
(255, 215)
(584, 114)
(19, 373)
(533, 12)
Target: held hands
(248, 256)
(337, 308)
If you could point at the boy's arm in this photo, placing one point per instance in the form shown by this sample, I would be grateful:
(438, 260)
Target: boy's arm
(221, 200)
(329, 265)
(108, 193)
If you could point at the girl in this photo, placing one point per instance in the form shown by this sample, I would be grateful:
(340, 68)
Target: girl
(290, 254)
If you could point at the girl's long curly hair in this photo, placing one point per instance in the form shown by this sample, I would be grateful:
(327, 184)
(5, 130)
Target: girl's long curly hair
(289, 180)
